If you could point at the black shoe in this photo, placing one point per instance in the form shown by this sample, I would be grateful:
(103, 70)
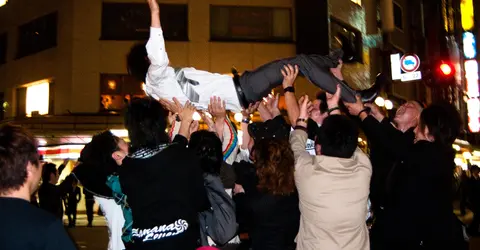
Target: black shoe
(369, 95)
(89, 225)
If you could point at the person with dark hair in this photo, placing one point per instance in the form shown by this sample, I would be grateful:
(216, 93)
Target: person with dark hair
(422, 178)
(333, 186)
(73, 197)
(163, 181)
(189, 84)
(50, 194)
(208, 148)
(99, 160)
(20, 173)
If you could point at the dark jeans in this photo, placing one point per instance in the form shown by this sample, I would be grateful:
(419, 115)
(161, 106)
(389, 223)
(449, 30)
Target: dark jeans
(258, 83)
(89, 209)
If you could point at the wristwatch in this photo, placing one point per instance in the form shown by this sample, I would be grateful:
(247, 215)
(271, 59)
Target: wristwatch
(246, 120)
(289, 89)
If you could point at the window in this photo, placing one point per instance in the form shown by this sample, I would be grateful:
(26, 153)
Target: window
(35, 99)
(397, 16)
(348, 39)
(261, 24)
(37, 35)
(3, 48)
(131, 21)
(117, 89)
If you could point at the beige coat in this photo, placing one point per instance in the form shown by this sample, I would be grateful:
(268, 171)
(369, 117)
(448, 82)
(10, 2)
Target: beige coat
(333, 198)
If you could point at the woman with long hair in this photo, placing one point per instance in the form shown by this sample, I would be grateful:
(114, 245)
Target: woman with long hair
(271, 199)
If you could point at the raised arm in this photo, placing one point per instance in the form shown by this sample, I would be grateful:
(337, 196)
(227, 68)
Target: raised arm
(156, 47)
(289, 75)
(298, 138)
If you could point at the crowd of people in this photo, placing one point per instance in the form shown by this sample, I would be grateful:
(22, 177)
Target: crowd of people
(298, 180)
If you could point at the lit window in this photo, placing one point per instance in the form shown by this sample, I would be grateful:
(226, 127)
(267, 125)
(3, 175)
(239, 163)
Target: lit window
(466, 9)
(3, 2)
(359, 2)
(38, 98)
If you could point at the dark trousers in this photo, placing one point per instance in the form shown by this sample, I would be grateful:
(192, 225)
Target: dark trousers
(258, 83)
(89, 207)
(72, 214)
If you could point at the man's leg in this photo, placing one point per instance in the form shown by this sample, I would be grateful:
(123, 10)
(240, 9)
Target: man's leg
(258, 83)
(89, 207)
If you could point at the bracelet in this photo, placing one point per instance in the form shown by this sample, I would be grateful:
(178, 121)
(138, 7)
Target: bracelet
(332, 109)
(366, 110)
(246, 120)
(301, 120)
(289, 89)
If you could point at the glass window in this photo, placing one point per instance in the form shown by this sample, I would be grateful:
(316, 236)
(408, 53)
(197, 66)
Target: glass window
(117, 89)
(262, 24)
(348, 39)
(3, 48)
(37, 35)
(397, 16)
(131, 21)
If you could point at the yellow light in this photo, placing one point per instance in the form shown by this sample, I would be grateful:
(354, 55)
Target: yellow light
(359, 2)
(388, 104)
(456, 147)
(112, 84)
(196, 116)
(360, 139)
(238, 117)
(3, 2)
(466, 9)
(467, 155)
(380, 101)
(38, 98)
(476, 153)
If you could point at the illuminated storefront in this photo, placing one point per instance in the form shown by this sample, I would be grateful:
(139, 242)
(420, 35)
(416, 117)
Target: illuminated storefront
(472, 93)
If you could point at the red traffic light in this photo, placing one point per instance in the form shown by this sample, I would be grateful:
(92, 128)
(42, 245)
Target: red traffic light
(446, 69)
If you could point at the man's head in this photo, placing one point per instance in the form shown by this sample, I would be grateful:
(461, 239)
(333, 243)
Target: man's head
(146, 121)
(20, 171)
(105, 150)
(50, 173)
(320, 108)
(408, 114)
(337, 137)
(208, 147)
(137, 62)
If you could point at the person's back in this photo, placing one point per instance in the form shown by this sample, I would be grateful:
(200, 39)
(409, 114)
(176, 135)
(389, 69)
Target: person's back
(26, 227)
(333, 188)
(163, 182)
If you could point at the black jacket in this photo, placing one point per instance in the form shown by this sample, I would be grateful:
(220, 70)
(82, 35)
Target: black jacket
(272, 220)
(165, 191)
(384, 139)
(419, 197)
(50, 196)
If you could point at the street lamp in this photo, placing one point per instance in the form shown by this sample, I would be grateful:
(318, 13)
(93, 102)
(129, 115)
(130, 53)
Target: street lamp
(3, 2)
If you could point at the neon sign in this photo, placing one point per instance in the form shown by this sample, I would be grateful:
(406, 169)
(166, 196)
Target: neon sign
(469, 45)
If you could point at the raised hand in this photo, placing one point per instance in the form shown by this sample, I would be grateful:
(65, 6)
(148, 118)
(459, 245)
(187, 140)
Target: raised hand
(217, 108)
(304, 107)
(271, 103)
(252, 107)
(332, 100)
(207, 118)
(186, 115)
(289, 73)
(173, 106)
(355, 108)
(193, 127)
(153, 4)
(375, 111)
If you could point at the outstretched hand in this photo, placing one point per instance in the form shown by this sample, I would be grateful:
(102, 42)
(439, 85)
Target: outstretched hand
(271, 102)
(252, 107)
(332, 100)
(355, 108)
(217, 107)
(173, 106)
(306, 103)
(186, 115)
(153, 4)
(289, 73)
